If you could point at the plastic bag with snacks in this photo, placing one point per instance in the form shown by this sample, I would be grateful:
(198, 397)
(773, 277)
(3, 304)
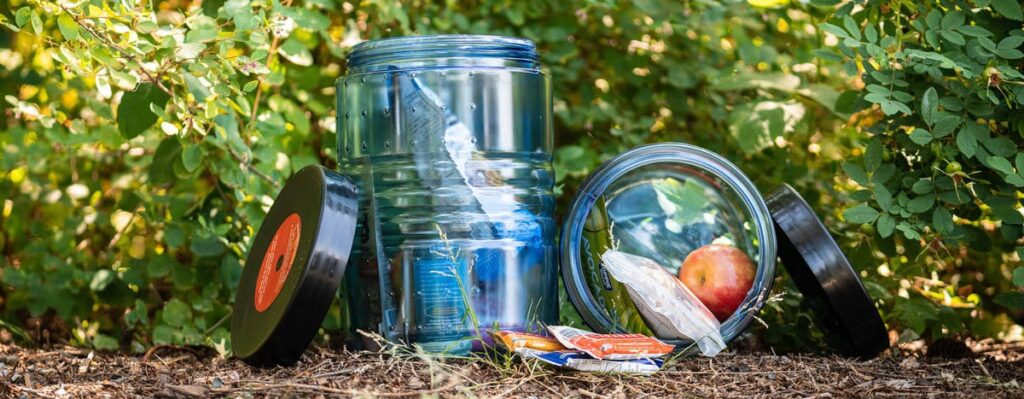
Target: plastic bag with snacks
(669, 308)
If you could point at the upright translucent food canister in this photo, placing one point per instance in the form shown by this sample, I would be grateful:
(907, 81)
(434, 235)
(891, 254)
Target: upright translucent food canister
(450, 140)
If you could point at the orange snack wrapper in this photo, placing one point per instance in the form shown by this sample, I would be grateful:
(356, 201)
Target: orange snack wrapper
(520, 340)
(611, 346)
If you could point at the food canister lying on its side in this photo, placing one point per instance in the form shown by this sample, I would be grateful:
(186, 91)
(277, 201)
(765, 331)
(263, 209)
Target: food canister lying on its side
(449, 139)
(675, 203)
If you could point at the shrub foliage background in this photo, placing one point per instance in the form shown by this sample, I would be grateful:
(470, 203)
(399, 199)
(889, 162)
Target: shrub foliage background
(143, 142)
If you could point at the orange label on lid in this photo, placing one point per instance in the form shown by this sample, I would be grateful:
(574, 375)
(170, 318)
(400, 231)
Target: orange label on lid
(277, 261)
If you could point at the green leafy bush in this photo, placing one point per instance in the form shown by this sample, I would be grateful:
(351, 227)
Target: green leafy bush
(941, 173)
(143, 143)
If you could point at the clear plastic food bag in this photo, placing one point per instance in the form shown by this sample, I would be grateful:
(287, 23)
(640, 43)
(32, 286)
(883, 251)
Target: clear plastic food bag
(670, 309)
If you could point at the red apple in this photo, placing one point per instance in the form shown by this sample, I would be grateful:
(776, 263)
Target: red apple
(720, 276)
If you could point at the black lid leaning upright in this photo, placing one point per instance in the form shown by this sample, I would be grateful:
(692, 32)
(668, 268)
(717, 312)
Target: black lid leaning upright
(824, 275)
(294, 266)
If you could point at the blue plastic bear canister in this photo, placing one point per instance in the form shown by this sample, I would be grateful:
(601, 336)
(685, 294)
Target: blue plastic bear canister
(449, 139)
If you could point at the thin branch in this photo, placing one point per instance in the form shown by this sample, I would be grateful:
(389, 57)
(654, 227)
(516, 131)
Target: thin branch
(124, 53)
(259, 86)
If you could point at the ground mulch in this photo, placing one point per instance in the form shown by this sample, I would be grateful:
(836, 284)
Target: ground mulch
(986, 370)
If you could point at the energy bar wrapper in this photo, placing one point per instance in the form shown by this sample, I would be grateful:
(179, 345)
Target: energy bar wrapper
(610, 346)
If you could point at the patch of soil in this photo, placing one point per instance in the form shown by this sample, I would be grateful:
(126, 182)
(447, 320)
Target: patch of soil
(991, 370)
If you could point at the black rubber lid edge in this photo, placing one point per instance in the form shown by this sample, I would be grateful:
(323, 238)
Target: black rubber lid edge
(822, 273)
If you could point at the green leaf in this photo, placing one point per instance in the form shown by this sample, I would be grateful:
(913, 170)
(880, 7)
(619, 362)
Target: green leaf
(133, 113)
(296, 52)
(953, 37)
(210, 7)
(921, 203)
(834, 30)
(870, 33)
(873, 155)
(188, 51)
(37, 23)
(174, 236)
(1011, 42)
(861, 214)
(825, 54)
(104, 342)
(1012, 300)
(921, 136)
(966, 141)
(908, 231)
(249, 87)
(163, 334)
(1001, 146)
(945, 124)
(892, 107)
(1018, 274)
(923, 186)
(1000, 164)
(1009, 47)
(1007, 214)
(201, 29)
(138, 315)
(929, 103)
(915, 313)
(192, 157)
(101, 280)
(159, 266)
(883, 173)
(176, 313)
(974, 31)
(206, 244)
(942, 220)
(883, 197)
(148, 26)
(934, 19)
(953, 19)
(68, 27)
(1009, 8)
(886, 226)
(161, 171)
(21, 17)
(856, 173)
(852, 27)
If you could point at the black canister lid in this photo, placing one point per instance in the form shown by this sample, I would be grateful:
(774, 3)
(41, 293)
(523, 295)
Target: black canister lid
(294, 266)
(825, 277)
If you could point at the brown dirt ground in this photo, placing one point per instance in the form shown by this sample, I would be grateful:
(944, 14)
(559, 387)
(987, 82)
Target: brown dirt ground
(988, 370)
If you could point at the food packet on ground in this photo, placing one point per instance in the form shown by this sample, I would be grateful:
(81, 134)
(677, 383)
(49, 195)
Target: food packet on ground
(515, 341)
(577, 360)
(610, 346)
(671, 309)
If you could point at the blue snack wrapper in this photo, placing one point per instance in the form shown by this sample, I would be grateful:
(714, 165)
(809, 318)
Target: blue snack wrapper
(580, 361)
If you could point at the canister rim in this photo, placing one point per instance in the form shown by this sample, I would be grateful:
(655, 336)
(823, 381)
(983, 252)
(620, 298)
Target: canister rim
(571, 261)
(396, 51)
